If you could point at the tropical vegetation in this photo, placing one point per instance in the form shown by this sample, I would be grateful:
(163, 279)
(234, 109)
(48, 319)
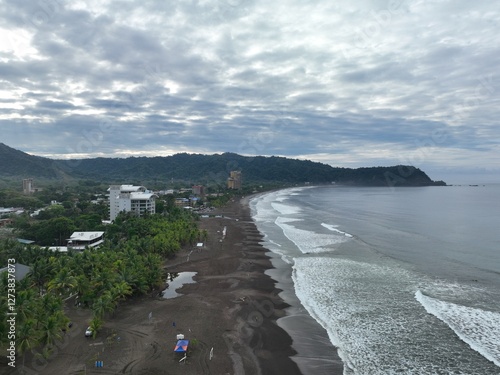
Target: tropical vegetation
(129, 263)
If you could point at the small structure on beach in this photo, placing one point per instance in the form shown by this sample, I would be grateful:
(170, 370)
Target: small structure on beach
(181, 346)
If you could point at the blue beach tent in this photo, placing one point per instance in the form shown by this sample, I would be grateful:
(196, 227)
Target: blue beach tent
(181, 346)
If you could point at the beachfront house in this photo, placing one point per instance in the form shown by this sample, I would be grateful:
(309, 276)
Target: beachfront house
(80, 240)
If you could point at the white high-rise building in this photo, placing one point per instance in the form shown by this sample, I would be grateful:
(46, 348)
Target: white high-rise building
(130, 198)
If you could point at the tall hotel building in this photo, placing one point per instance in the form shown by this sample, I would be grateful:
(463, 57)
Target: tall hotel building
(234, 180)
(130, 198)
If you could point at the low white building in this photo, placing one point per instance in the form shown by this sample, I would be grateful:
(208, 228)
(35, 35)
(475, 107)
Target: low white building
(81, 240)
(130, 198)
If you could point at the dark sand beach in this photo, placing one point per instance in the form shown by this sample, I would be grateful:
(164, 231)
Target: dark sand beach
(232, 307)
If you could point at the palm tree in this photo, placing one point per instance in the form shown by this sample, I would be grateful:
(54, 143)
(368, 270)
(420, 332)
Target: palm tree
(127, 275)
(25, 302)
(86, 261)
(99, 307)
(40, 272)
(119, 291)
(95, 325)
(102, 280)
(63, 281)
(103, 305)
(51, 328)
(50, 304)
(152, 270)
(82, 287)
(27, 337)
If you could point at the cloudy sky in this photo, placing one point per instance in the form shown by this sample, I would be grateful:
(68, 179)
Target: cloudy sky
(347, 83)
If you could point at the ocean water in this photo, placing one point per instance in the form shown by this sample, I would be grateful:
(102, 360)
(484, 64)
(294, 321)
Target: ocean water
(403, 281)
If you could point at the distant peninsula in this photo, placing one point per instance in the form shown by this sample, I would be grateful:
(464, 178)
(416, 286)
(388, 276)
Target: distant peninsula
(207, 170)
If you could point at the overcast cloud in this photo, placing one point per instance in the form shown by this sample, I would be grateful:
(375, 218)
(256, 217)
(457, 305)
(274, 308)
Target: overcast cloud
(348, 83)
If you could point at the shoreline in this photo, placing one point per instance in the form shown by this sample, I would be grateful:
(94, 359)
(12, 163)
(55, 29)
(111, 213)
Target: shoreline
(315, 354)
(234, 309)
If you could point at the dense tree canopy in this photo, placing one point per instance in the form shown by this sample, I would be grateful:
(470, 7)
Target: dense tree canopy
(130, 262)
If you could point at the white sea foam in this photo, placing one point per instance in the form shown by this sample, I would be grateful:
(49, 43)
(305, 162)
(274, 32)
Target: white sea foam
(265, 207)
(261, 208)
(274, 243)
(308, 241)
(282, 219)
(478, 328)
(333, 228)
(371, 315)
(282, 195)
(277, 249)
(285, 209)
(354, 317)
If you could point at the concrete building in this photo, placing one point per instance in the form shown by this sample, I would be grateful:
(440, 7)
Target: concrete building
(234, 180)
(199, 190)
(28, 187)
(130, 198)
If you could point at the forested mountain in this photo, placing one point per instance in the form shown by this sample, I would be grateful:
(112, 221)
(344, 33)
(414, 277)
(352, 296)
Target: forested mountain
(16, 163)
(207, 169)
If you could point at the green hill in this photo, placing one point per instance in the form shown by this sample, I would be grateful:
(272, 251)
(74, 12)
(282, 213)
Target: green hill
(206, 169)
(15, 163)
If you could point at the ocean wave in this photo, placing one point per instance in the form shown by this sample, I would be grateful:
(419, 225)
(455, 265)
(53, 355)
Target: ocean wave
(308, 241)
(333, 228)
(285, 209)
(261, 208)
(480, 329)
(371, 314)
(366, 300)
(265, 207)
